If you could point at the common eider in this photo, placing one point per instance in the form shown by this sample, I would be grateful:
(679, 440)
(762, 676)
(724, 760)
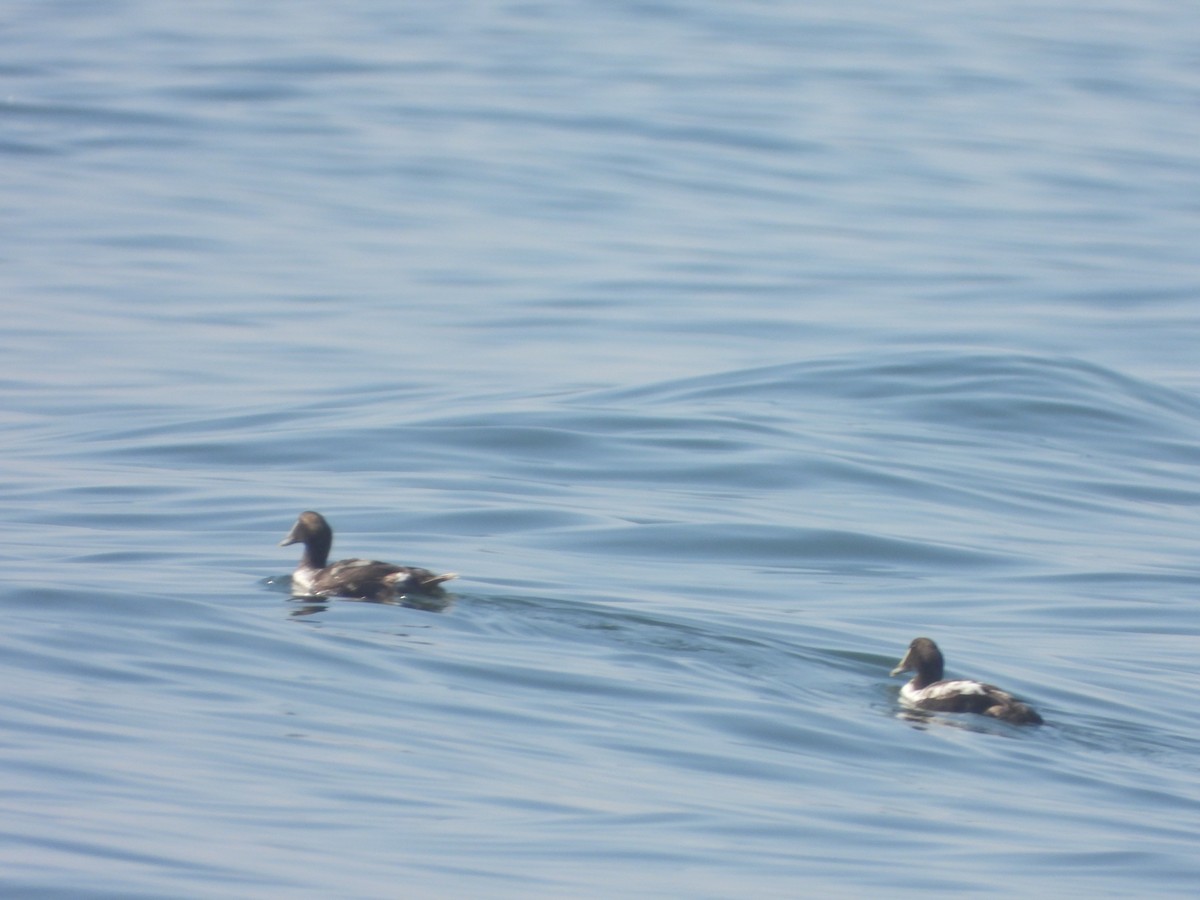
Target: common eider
(363, 579)
(928, 691)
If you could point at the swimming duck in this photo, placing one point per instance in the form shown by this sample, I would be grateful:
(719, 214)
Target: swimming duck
(928, 691)
(364, 579)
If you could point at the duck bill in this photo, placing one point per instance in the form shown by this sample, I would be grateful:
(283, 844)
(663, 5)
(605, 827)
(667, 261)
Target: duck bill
(903, 666)
(292, 537)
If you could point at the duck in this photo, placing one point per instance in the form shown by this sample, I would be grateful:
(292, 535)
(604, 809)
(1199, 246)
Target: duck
(928, 691)
(360, 579)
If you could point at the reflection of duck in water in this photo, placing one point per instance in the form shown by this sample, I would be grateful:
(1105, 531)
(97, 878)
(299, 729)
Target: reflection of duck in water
(363, 579)
(928, 691)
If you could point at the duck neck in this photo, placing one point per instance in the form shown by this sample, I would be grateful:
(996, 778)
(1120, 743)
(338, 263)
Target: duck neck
(927, 675)
(316, 552)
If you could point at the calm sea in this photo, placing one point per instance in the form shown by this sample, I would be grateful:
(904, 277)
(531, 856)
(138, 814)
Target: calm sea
(722, 348)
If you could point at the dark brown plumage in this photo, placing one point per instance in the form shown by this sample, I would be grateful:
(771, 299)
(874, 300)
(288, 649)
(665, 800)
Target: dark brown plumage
(928, 691)
(364, 579)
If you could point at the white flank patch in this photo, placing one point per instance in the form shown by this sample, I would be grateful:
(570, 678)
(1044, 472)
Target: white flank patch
(940, 691)
(953, 689)
(302, 581)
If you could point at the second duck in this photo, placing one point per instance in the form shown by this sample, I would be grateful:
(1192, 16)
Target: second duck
(928, 691)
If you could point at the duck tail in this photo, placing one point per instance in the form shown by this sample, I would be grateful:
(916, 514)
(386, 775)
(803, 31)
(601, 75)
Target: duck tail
(1018, 713)
(1029, 715)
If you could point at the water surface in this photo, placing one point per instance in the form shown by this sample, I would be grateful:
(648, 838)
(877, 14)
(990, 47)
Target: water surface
(721, 350)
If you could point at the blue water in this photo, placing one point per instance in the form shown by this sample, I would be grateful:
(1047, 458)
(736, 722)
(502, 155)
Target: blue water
(721, 348)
